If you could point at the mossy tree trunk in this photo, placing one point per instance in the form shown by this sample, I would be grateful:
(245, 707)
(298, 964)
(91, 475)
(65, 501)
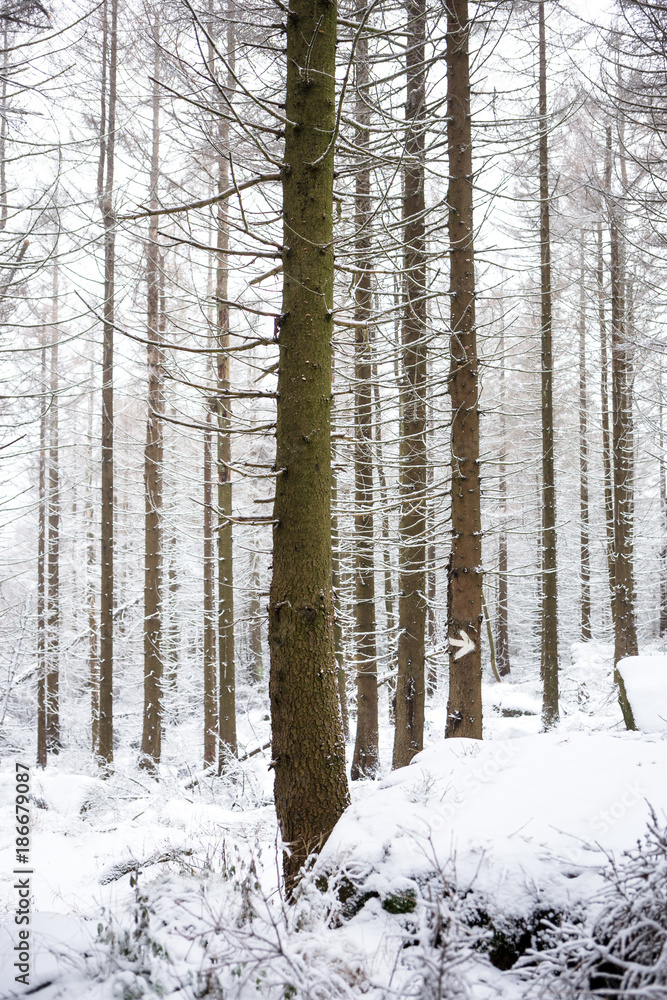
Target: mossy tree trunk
(308, 751)
(464, 585)
(410, 683)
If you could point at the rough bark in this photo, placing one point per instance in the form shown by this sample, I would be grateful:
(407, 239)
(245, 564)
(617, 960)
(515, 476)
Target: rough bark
(584, 532)
(410, 683)
(308, 749)
(151, 741)
(365, 757)
(106, 193)
(549, 613)
(464, 584)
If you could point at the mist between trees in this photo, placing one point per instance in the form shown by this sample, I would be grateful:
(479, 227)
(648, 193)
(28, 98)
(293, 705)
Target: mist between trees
(333, 346)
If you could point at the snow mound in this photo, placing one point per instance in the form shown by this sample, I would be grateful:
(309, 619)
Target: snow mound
(525, 823)
(646, 687)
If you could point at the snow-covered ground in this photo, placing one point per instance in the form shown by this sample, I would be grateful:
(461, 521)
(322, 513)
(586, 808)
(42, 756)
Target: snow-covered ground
(435, 881)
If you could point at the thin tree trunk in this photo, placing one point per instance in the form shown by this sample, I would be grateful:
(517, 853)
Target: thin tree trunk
(662, 471)
(339, 652)
(53, 546)
(210, 662)
(386, 554)
(41, 578)
(585, 559)
(107, 157)
(625, 638)
(255, 621)
(93, 659)
(365, 758)
(606, 434)
(410, 684)
(502, 623)
(549, 631)
(227, 683)
(151, 741)
(308, 750)
(3, 128)
(464, 590)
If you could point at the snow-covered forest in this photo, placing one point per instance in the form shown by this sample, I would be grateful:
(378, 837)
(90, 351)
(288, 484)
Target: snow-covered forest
(333, 514)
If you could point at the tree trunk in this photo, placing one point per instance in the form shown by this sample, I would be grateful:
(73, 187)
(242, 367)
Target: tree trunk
(585, 559)
(308, 749)
(606, 434)
(622, 447)
(93, 659)
(464, 585)
(341, 674)
(386, 554)
(106, 191)
(151, 742)
(255, 620)
(549, 630)
(662, 472)
(53, 546)
(227, 683)
(41, 578)
(365, 758)
(502, 623)
(410, 684)
(210, 686)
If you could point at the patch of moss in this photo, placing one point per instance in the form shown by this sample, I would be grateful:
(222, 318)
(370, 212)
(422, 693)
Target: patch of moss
(400, 902)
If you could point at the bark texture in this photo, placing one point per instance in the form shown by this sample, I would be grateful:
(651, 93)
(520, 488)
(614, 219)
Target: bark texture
(464, 585)
(308, 750)
(53, 545)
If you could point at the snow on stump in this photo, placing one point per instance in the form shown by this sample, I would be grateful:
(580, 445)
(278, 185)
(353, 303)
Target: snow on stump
(645, 679)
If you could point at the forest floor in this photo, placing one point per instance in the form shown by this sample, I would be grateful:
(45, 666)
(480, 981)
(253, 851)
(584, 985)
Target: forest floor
(435, 883)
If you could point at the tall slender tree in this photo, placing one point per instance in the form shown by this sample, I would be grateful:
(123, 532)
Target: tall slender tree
(151, 741)
(584, 529)
(53, 543)
(365, 759)
(105, 187)
(410, 684)
(464, 585)
(549, 611)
